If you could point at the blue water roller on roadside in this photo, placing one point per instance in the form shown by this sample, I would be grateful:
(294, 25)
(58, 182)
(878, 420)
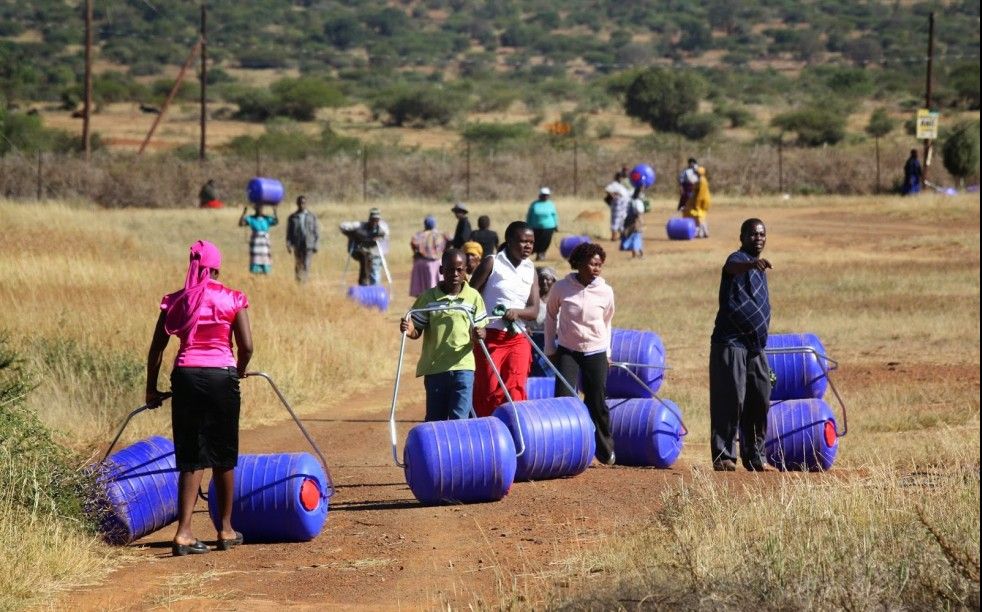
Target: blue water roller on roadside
(371, 296)
(278, 498)
(681, 228)
(140, 484)
(459, 461)
(540, 387)
(558, 434)
(799, 374)
(640, 347)
(801, 435)
(262, 190)
(646, 431)
(567, 244)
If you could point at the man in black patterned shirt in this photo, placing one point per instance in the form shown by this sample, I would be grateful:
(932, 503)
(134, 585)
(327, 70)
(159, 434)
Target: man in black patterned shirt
(739, 377)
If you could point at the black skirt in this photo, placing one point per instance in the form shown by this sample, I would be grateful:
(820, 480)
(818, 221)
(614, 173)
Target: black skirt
(205, 417)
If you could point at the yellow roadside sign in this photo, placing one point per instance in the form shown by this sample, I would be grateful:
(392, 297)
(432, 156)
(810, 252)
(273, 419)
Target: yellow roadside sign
(927, 124)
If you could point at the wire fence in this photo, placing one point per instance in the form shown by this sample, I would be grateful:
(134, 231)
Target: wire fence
(125, 180)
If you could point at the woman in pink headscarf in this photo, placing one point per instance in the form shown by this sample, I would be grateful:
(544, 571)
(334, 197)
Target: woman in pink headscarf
(204, 315)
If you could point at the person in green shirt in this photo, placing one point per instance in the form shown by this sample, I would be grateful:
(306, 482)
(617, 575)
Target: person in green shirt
(446, 361)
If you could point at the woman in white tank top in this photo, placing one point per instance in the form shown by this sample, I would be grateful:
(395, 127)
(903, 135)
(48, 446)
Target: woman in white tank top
(507, 279)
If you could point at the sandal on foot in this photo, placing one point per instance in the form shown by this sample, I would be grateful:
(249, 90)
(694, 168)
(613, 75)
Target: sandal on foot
(230, 543)
(197, 548)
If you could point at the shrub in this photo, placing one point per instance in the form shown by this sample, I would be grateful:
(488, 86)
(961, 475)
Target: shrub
(419, 106)
(660, 97)
(961, 151)
(814, 126)
(697, 126)
(496, 135)
(880, 124)
(300, 98)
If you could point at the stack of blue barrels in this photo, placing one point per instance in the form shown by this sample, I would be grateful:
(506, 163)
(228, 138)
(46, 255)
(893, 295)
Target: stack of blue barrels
(647, 430)
(802, 432)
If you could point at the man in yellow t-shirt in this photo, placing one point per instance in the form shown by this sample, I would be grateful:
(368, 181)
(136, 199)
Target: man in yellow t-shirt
(446, 362)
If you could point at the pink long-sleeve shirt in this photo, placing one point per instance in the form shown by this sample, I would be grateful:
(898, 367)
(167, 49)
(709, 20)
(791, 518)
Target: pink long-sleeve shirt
(579, 316)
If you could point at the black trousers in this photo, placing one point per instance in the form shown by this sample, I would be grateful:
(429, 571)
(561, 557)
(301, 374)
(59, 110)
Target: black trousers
(594, 369)
(739, 397)
(543, 238)
(205, 417)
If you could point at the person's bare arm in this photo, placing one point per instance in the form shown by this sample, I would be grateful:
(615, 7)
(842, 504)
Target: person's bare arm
(242, 219)
(406, 326)
(243, 341)
(482, 273)
(155, 357)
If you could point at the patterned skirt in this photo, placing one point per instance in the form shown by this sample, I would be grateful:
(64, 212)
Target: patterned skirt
(259, 250)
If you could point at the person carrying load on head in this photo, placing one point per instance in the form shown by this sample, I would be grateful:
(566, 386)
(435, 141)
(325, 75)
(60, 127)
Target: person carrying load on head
(509, 285)
(205, 315)
(698, 206)
(428, 246)
(579, 313)
(260, 253)
(543, 218)
(446, 361)
(302, 237)
(366, 240)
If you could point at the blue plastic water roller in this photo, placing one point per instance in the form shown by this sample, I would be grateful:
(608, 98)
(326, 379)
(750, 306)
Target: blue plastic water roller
(371, 296)
(558, 433)
(646, 431)
(567, 244)
(463, 461)
(799, 375)
(681, 228)
(277, 498)
(642, 176)
(140, 483)
(635, 346)
(801, 435)
(540, 387)
(263, 190)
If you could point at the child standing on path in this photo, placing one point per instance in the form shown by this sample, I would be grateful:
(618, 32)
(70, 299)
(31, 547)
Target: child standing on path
(447, 359)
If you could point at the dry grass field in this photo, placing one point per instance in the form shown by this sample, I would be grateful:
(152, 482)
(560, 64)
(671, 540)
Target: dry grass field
(890, 285)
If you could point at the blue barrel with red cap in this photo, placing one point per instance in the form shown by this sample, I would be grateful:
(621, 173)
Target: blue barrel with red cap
(277, 498)
(801, 435)
(642, 176)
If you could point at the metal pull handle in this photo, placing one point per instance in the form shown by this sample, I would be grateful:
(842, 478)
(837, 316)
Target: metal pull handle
(385, 264)
(393, 434)
(822, 361)
(626, 366)
(303, 430)
(148, 406)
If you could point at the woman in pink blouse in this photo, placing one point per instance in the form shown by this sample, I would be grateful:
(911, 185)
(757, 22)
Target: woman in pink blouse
(579, 313)
(204, 315)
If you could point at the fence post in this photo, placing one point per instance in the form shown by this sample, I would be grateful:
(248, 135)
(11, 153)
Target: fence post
(39, 184)
(364, 174)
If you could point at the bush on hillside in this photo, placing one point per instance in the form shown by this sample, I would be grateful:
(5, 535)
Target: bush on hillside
(297, 99)
(418, 106)
(698, 126)
(660, 97)
(497, 135)
(960, 152)
(815, 126)
(285, 140)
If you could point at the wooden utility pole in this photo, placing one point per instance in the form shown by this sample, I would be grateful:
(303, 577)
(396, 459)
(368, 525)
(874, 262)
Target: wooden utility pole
(204, 83)
(927, 94)
(170, 96)
(87, 112)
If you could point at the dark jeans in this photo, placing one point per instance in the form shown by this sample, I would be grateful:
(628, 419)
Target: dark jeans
(594, 370)
(739, 397)
(543, 238)
(449, 395)
(301, 264)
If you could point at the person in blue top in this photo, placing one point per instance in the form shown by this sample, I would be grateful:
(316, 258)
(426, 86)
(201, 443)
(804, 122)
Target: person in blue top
(739, 376)
(260, 254)
(543, 218)
(913, 174)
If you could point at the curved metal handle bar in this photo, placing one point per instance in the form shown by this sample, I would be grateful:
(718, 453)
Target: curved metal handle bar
(385, 264)
(628, 364)
(126, 421)
(501, 381)
(822, 359)
(303, 430)
(626, 368)
(402, 350)
(555, 370)
(347, 260)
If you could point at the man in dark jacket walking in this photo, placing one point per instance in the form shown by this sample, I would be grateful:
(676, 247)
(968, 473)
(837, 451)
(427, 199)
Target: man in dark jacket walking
(463, 231)
(302, 237)
(739, 376)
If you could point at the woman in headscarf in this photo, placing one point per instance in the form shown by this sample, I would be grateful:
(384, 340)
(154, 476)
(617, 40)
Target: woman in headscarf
(475, 253)
(428, 246)
(260, 254)
(205, 315)
(698, 206)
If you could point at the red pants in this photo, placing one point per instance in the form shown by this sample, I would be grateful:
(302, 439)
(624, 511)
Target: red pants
(512, 354)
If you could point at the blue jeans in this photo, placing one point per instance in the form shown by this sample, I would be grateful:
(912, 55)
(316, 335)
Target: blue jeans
(448, 395)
